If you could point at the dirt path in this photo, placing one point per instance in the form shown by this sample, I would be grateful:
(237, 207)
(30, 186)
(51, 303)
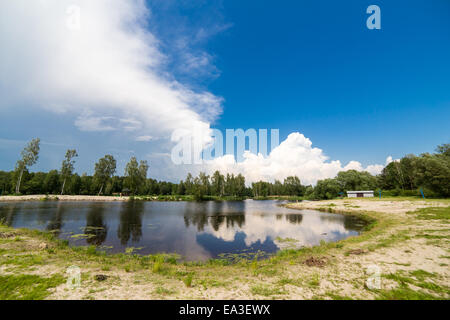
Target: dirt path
(404, 256)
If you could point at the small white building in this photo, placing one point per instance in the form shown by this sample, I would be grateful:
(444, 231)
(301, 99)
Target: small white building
(360, 194)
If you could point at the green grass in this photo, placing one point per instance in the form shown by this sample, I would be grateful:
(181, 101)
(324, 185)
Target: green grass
(417, 278)
(404, 294)
(433, 213)
(27, 287)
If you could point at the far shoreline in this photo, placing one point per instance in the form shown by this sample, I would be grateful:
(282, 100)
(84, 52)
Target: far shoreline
(43, 197)
(161, 198)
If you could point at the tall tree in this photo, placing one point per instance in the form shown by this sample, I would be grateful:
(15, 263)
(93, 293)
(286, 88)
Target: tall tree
(104, 169)
(67, 167)
(218, 184)
(293, 186)
(30, 155)
(132, 175)
(189, 184)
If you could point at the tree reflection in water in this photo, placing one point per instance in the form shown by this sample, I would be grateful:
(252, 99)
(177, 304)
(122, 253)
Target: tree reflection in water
(56, 223)
(213, 213)
(7, 214)
(95, 227)
(294, 218)
(130, 225)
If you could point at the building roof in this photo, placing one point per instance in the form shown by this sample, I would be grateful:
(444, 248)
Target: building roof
(367, 191)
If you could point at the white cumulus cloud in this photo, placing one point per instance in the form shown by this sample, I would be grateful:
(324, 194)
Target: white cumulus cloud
(295, 156)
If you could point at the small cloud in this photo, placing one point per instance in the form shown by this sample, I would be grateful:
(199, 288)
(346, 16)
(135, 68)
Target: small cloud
(144, 138)
(130, 124)
(88, 122)
(390, 159)
(159, 155)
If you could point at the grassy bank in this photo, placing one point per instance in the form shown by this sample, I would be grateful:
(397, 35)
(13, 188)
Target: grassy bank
(411, 249)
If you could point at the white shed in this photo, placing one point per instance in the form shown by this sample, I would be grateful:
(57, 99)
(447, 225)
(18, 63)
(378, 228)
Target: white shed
(360, 194)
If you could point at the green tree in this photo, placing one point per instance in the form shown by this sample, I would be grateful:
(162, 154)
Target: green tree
(189, 183)
(67, 167)
(218, 184)
(51, 182)
(135, 174)
(326, 189)
(352, 180)
(29, 156)
(104, 170)
(444, 149)
(293, 186)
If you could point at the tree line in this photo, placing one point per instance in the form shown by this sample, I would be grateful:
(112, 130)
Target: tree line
(410, 176)
(429, 172)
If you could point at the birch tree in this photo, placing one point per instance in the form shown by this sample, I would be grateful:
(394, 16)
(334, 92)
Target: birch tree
(67, 167)
(30, 155)
(104, 170)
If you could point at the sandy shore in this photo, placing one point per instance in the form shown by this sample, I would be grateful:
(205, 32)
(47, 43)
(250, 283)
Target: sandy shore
(62, 198)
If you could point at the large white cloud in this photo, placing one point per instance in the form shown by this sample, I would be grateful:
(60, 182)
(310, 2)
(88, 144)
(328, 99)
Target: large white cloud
(295, 156)
(109, 73)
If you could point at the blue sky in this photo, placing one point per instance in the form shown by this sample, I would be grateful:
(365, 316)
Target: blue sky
(300, 66)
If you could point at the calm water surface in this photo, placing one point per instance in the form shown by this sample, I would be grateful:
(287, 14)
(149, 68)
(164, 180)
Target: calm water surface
(195, 230)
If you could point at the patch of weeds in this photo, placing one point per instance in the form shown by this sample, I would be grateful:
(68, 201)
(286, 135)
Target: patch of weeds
(404, 293)
(163, 291)
(106, 268)
(266, 291)
(290, 281)
(279, 239)
(418, 281)
(332, 205)
(335, 296)
(254, 265)
(391, 240)
(402, 264)
(314, 281)
(27, 287)
(188, 280)
(431, 236)
(422, 274)
(158, 265)
(211, 283)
